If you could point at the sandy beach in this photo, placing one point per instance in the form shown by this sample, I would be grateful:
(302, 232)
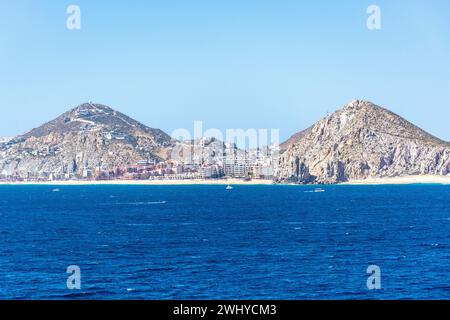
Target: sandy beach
(425, 179)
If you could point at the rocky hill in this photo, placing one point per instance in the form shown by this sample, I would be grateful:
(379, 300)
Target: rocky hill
(359, 141)
(87, 137)
(293, 139)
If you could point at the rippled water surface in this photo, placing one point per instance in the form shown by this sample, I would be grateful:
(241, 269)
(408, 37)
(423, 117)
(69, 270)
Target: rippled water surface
(206, 242)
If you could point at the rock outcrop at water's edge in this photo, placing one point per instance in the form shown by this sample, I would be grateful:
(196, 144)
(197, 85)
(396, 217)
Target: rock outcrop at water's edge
(362, 140)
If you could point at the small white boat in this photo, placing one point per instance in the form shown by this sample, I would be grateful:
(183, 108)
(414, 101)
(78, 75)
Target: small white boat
(319, 190)
(56, 190)
(229, 187)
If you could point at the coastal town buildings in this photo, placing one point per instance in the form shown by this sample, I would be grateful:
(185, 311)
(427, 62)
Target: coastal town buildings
(205, 158)
(242, 166)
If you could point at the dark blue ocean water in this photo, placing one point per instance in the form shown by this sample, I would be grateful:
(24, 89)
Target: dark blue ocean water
(205, 242)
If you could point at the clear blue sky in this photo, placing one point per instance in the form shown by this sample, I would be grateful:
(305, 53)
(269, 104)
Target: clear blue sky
(232, 64)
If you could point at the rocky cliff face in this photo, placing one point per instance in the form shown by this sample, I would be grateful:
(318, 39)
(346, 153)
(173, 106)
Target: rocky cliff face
(87, 137)
(359, 141)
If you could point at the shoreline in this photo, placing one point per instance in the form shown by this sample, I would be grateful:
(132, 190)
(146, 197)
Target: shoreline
(142, 182)
(415, 179)
(405, 180)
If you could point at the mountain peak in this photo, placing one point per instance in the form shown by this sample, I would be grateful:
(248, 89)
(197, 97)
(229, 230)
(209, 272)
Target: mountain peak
(361, 140)
(89, 107)
(359, 103)
(88, 136)
(361, 106)
(89, 117)
(356, 103)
